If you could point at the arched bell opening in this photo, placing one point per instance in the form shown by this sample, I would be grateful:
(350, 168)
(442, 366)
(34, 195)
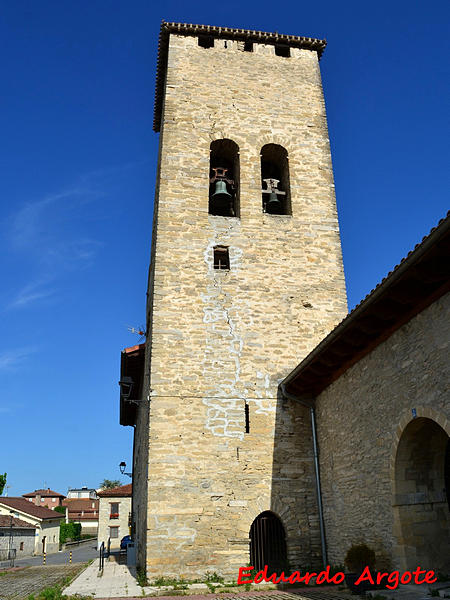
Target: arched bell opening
(224, 178)
(268, 543)
(276, 193)
(422, 493)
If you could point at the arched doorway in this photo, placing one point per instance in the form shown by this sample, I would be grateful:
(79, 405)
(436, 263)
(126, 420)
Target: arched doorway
(268, 543)
(421, 507)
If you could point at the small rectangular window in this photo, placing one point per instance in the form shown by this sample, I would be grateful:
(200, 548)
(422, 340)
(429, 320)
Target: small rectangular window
(281, 50)
(114, 510)
(21, 546)
(113, 532)
(248, 46)
(221, 258)
(206, 41)
(247, 418)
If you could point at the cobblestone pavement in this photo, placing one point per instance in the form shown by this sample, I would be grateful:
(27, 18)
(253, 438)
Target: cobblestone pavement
(300, 594)
(404, 593)
(20, 583)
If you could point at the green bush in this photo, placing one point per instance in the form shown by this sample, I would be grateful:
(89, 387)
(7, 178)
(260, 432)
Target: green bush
(358, 557)
(69, 531)
(60, 509)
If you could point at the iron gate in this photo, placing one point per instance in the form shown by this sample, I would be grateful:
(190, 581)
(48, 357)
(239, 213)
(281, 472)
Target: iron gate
(268, 543)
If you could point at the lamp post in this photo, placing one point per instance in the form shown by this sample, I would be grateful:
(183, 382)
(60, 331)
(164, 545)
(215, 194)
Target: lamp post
(10, 538)
(122, 467)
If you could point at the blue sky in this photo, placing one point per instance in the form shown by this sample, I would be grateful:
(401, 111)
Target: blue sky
(77, 164)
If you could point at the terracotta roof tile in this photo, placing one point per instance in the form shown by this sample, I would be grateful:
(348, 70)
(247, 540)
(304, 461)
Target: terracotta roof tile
(79, 504)
(117, 492)
(24, 505)
(48, 493)
(5, 521)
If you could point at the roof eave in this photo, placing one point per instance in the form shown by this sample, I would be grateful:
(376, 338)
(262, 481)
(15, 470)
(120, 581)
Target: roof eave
(361, 309)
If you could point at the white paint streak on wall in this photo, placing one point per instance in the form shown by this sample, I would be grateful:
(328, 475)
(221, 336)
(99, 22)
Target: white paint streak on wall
(222, 315)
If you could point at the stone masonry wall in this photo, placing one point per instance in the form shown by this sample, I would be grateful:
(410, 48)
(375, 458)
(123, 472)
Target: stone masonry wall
(218, 339)
(361, 418)
(20, 536)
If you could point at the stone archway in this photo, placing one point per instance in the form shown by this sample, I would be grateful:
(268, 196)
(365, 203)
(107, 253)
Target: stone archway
(268, 543)
(421, 510)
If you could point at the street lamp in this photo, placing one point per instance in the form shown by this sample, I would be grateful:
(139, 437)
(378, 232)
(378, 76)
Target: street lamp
(10, 557)
(122, 467)
(126, 387)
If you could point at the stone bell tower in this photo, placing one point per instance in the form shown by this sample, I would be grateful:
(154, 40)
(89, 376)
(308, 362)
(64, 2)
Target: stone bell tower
(245, 279)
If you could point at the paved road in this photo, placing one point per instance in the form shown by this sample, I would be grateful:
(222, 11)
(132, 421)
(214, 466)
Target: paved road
(80, 554)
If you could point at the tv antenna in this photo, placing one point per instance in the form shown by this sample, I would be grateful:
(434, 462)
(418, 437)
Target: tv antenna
(140, 331)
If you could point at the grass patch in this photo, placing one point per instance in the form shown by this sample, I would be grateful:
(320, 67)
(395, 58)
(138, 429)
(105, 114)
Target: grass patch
(177, 584)
(55, 593)
(141, 577)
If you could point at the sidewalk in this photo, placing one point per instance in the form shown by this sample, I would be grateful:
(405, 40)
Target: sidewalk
(117, 581)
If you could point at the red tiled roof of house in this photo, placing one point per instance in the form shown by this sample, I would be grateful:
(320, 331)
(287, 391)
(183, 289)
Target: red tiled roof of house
(78, 516)
(5, 521)
(24, 505)
(81, 509)
(123, 490)
(79, 504)
(48, 493)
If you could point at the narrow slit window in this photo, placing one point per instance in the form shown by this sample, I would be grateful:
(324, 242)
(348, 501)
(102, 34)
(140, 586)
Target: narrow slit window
(221, 258)
(282, 50)
(206, 41)
(248, 46)
(247, 418)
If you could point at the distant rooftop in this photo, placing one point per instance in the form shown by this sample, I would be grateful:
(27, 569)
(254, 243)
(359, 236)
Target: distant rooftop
(261, 37)
(21, 504)
(8, 521)
(117, 492)
(48, 493)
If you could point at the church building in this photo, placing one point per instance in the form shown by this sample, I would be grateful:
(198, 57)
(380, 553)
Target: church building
(240, 457)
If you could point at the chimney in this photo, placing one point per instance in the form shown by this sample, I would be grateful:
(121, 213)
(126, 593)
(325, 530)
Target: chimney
(38, 499)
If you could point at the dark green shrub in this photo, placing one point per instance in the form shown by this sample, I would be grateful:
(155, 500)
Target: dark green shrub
(69, 531)
(359, 557)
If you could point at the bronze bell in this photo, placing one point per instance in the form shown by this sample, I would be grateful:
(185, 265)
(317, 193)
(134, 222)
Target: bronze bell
(273, 205)
(221, 199)
(221, 193)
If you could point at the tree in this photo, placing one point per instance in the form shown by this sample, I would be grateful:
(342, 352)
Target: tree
(108, 484)
(2, 483)
(60, 509)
